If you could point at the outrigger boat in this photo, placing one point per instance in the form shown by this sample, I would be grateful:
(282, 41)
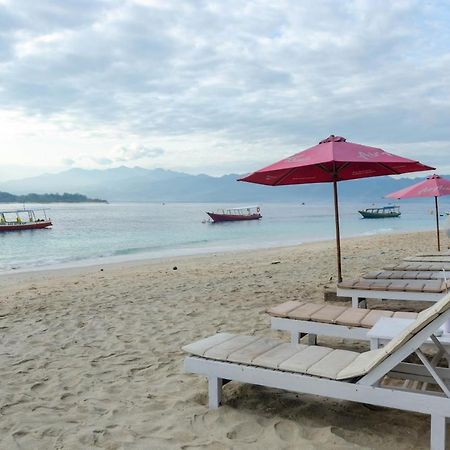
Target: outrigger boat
(235, 214)
(381, 213)
(18, 223)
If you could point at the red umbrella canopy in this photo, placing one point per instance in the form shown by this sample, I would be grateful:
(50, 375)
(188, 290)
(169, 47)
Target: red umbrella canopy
(334, 159)
(433, 186)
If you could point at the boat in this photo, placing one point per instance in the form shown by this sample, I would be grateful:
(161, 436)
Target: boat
(23, 219)
(235, 214)
(383, 212)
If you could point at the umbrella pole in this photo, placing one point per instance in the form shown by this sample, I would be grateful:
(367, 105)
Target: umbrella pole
(437, 223)
(338, 233)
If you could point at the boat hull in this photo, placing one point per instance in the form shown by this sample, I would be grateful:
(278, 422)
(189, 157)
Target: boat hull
(25, 226)
(369, 215)
(232, 217)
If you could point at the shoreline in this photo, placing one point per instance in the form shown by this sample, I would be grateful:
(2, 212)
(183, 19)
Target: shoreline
(107, 264)
(169, 254)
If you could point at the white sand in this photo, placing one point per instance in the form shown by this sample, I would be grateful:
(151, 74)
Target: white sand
(92, 359)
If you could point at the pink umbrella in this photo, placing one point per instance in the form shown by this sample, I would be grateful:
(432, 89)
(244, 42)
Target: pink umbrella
(433, 186)
(333, 160)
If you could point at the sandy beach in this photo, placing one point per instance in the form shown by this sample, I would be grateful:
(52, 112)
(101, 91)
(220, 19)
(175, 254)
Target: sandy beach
(91, 357)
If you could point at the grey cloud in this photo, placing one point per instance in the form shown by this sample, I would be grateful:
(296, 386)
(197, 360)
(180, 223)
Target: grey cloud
(270, 73)
(68, 162)
(133, 154)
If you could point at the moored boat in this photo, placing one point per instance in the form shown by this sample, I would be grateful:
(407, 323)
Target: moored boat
(384, 212)
(235, 214)
(18, 222)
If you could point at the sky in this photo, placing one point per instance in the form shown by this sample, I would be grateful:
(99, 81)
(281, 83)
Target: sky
(216, 87)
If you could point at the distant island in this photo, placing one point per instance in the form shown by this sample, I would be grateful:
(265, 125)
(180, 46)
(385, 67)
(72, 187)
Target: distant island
(6, 197)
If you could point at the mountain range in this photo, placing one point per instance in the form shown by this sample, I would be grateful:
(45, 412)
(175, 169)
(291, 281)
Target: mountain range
(139, 184)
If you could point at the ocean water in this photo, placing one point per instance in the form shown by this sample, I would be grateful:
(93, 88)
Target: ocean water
(88, 233)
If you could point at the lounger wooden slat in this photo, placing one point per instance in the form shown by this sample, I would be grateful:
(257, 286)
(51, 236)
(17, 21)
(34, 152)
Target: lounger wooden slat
(332, 363)
(200, 347)
(274, 357)
(349, 324)
(390, 289)
(405, 274)
(352, 317)
(284, 308)
(304, 359)
(397, 285)
(328, 314)
(431, 259)
(375, 274)
(224, 349)
(305, 311)
(405, 315)
(253, 350)
(419, 266)
(371, 318)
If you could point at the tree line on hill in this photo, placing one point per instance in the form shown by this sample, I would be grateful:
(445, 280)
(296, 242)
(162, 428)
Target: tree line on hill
(6, 197)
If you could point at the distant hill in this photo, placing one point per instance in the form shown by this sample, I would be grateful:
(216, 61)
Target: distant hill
(159, 185)
(6, 197)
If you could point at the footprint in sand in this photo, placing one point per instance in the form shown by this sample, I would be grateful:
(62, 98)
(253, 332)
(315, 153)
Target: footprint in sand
(286, 431)
(245, 432)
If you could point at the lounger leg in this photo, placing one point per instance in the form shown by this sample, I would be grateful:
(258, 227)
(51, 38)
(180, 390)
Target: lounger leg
(358, 302)
(295, 337)
(312, 339)
(374, 343)
(437, 432)
(214, 392)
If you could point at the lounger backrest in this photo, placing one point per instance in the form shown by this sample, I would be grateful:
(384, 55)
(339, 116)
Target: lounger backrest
(369, 360)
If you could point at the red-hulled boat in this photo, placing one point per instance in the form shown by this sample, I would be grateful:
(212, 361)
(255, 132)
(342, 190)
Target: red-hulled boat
(235, 214)
(19, 223)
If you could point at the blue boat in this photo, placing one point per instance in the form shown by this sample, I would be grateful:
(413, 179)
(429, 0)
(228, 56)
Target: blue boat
(384, 212)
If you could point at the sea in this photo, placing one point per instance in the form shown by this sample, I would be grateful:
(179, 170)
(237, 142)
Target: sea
(86, 234)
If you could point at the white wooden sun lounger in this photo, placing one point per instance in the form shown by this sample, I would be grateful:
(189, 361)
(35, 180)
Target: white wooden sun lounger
(393, 289)
(408, 275)
(430, 259)
(419, 266)
(338, 374)
(315, 319)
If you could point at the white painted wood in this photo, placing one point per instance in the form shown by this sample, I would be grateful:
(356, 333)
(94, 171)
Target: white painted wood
(295, 327)
(214, 392)
(362, 294)
(389, 327)
(409, 346)
(433, 372)
(438, 423)
(373, 395)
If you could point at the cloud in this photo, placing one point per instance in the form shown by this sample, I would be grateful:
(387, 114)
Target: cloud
(237, 82)
(136, 153)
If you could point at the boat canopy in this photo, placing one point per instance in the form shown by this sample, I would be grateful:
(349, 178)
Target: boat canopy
(242, 207)
(17, 211)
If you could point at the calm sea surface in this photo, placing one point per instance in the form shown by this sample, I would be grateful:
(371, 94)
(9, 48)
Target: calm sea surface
(89, 233)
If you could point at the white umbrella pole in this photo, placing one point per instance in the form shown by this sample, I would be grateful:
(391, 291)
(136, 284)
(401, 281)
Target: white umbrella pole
(437, 223)
(338, 233)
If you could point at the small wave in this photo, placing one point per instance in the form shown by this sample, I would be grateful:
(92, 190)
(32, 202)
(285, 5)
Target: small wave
(378, 231)
(134, 250)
